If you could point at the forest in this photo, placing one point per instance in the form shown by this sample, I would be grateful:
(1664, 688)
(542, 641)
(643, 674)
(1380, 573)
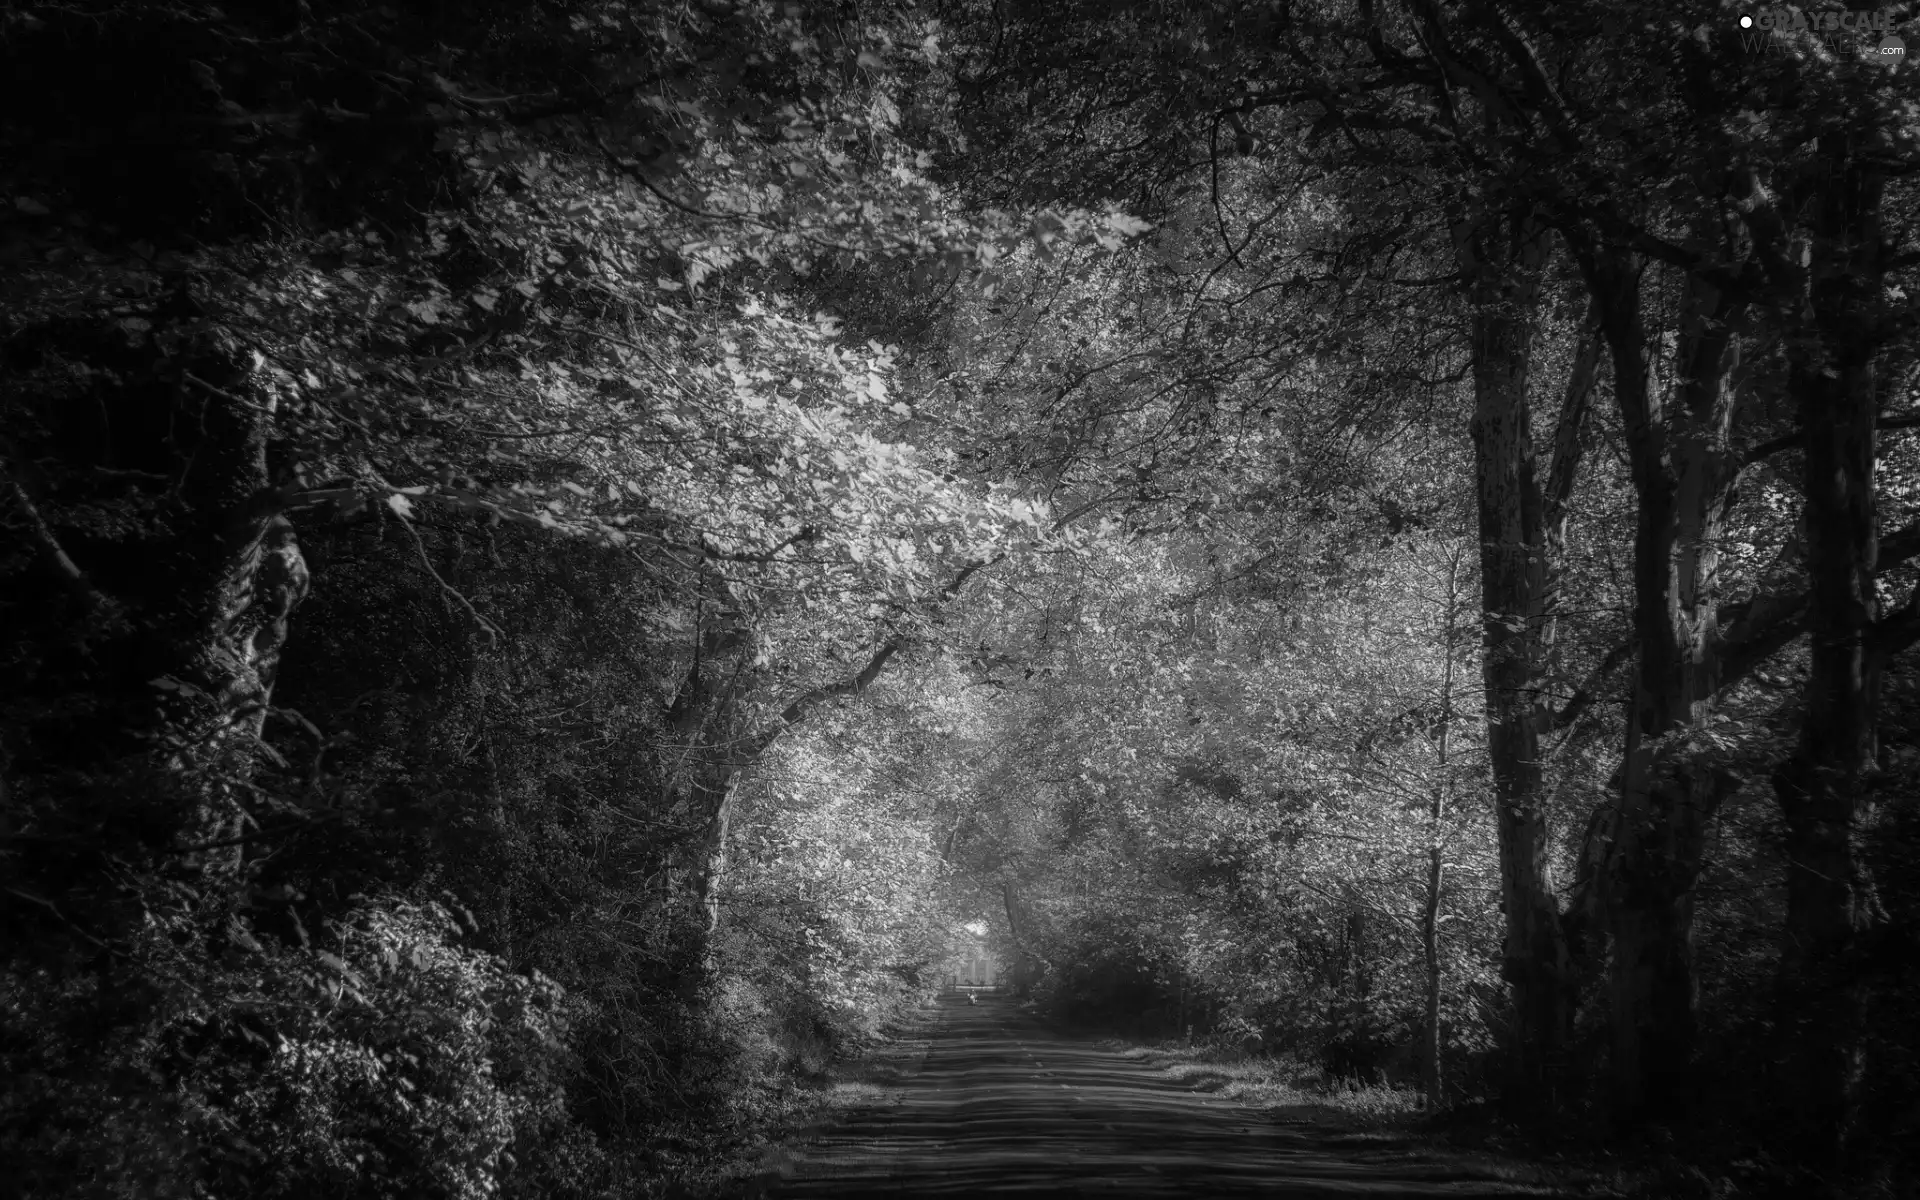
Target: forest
(557, 555)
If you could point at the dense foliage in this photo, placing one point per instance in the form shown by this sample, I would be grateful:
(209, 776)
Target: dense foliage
(556, 556)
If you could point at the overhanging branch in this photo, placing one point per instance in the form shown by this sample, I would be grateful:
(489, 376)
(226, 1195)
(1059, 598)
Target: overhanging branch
(1791, 441)
(1757, 628)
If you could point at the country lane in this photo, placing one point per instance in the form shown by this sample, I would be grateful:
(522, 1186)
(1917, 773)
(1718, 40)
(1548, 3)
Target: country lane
(1004, 1105)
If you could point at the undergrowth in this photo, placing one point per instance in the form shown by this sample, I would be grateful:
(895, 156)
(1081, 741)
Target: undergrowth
(861, 1074)
(1280, 1083)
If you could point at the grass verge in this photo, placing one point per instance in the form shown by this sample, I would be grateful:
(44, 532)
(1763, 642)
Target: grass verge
(1371, 1123)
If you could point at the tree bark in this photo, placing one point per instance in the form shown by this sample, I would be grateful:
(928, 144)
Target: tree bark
(239, 582)
(1683, 467)
(1430, 1072)
(711, 748)
(1501, 256)
(1824, 787)
(1431, 1075)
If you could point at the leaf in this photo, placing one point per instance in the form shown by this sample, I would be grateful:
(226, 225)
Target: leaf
(400, 505)
(1042, 239)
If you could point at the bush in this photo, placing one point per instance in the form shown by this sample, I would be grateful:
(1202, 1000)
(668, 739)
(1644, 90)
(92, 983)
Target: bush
(397, 1063)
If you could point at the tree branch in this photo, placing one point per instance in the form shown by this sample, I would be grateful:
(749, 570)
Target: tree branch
(1075, 513)
(1759, 629)
(1790, 441)
(488, 627)
(1533, 74)
(1897, 632)
(1565, 466)
(50, 549)
(1459, 72)
(705, 549)
(1584, 695)
(967, 572)
(1755, 629)
(854, 685)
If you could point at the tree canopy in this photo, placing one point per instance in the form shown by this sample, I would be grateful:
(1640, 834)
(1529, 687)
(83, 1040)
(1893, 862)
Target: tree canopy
(558, 558)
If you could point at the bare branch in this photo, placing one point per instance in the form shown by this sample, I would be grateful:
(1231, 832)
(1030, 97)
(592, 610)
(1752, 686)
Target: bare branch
(50, 548)
(1075, 513)
(488, 627)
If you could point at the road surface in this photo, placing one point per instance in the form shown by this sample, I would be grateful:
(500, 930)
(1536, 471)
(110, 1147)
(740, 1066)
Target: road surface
(1002, 1105)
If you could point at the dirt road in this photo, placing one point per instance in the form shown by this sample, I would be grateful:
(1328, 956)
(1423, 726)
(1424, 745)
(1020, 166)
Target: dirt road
(1000, 1104)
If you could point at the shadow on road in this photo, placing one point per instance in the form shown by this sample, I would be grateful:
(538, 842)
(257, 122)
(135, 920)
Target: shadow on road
(1002, 1104)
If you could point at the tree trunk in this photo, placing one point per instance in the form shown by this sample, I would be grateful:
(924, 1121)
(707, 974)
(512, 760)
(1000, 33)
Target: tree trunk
(713, 851)
(1501, 257)
(709, 750)
(1823, 788)
(1683, 469)
(238, 583)
(1431, 1078)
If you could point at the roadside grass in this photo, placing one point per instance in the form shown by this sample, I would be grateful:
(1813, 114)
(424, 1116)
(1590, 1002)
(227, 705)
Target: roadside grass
(1387, 1123)
(1280, 1085)
(1381, 1123)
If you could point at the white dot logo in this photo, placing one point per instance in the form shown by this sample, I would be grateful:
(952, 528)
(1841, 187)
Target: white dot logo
(1746, 22)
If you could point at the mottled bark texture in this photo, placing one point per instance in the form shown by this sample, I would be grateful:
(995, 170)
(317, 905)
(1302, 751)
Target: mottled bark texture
(709, 746)
(149, 493)
(233, 627)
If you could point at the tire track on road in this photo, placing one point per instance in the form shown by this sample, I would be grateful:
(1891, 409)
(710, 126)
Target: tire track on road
(1004, 1106)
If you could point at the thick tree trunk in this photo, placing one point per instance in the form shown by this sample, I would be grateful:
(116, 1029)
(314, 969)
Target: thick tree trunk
(710, 750)
(1824, 787)
(1501, 258)
(238, 585)
(149, 756)
(1683, 469)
